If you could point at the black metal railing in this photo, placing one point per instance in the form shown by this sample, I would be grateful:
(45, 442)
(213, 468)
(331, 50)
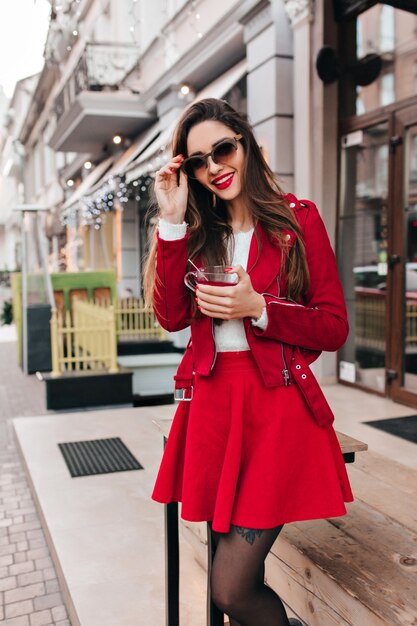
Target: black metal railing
(101, 67)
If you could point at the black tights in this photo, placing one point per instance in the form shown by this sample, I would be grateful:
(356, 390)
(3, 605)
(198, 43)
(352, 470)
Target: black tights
(237, 578)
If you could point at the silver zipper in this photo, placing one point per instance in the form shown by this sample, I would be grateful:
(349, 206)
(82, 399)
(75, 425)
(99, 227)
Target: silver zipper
(285, 302)
(214, 341)
(285, 372)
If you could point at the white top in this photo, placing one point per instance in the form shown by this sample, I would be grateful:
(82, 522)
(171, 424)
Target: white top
(230, 335)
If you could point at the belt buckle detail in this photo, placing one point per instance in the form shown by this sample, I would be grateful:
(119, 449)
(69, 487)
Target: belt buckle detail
(184, 394)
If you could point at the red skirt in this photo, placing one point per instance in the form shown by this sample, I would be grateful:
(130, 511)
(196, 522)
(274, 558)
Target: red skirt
(244, 454)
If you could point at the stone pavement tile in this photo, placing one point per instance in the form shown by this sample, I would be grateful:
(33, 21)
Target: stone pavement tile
(29, 589)
(8, 549)
(20, 557)
(26, 510)
(44, 563)
(49, 573)
(52, 585)
(35, 534)
(24, 593)
(59, 613)
(6, 560)
(38, 553)
(23, 620)
(37, 543)
(18, 608)
(47, 601)
(26, 526)
(41, 618)
(16, 537)
(30, 578)
(21, 568)
(8, 583)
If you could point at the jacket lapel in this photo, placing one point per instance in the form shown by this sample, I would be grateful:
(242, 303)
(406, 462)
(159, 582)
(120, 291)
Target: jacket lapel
(264, 263)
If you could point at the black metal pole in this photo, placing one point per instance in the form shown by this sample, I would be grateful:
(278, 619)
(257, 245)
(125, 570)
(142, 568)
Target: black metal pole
(172, 564)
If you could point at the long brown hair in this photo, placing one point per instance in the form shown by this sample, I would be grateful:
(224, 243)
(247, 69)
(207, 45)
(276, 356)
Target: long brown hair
(206, 215)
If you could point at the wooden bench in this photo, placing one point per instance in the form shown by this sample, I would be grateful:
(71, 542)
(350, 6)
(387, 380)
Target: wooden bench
(359, 569)
(199, 536)
(356, 570)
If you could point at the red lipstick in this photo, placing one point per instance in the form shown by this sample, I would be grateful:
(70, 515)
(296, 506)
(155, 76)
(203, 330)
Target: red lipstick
(224, 181)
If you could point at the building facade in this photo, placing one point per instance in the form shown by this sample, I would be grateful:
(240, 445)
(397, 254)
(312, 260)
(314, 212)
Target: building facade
(330, 89)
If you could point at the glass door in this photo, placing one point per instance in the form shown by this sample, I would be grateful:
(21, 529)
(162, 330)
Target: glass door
(363, 253)
(403, 368)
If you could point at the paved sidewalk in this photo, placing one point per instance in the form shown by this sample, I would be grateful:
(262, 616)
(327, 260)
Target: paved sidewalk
(29, 588)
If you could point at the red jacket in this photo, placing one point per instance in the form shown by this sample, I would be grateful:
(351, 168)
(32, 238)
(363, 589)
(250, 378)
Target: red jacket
(296, 332)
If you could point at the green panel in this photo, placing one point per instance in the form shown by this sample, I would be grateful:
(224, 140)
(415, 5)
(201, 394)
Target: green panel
(68, 281)
(17, 311)
(65, 282)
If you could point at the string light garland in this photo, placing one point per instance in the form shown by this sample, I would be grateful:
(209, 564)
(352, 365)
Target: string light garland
(194, 18)
(114, 193)
(135, 21)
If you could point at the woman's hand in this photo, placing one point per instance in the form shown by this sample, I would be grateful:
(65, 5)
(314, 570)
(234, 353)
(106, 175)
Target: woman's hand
(234, 302)
(171, 195)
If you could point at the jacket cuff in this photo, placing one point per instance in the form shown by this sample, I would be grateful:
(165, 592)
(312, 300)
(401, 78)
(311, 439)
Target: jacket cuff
(170, 232)
(264, 328)
(262, 321)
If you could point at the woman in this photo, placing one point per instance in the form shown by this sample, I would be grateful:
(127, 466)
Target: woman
(252, 445)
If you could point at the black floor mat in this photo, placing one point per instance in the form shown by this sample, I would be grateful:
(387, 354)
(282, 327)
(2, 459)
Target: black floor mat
(404, 427)
(98, 456)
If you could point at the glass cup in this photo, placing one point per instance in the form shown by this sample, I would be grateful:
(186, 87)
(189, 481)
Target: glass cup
(211, 275)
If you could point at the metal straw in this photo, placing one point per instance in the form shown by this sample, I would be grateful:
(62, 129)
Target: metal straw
(197, 268)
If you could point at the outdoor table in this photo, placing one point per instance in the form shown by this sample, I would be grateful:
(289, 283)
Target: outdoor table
(215, 617)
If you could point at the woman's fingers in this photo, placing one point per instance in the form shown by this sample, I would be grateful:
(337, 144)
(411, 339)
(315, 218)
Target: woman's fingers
(171, 167)
(217, 300)
(219, 292)
(214, 306)
(220, 302)
(213, 311)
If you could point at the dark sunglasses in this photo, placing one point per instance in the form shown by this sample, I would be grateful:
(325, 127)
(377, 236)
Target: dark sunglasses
(194, 165)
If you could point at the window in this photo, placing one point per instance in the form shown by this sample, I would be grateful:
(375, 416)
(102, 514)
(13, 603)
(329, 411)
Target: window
(391, 33)
(387, 93)
(387, 29)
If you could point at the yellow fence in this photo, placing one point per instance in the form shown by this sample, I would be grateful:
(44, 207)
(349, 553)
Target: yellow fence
(84, 341)
(135, 321)
(370, 321)
(411, 326)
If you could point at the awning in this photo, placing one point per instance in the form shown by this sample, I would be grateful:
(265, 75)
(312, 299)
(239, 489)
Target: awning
(347, 10)
(89, 181)
(134, 151)
(224, 83)
(159, 145)
(159, 150)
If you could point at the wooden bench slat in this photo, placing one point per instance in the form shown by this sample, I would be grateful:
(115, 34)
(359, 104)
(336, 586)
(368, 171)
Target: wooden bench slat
(362, 538)
(318, 600)
(346, 574)
(367, 526)
(384, 497)
(350, 444)
(393, 473)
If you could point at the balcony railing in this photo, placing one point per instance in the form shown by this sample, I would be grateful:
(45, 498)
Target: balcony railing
(102, 67)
